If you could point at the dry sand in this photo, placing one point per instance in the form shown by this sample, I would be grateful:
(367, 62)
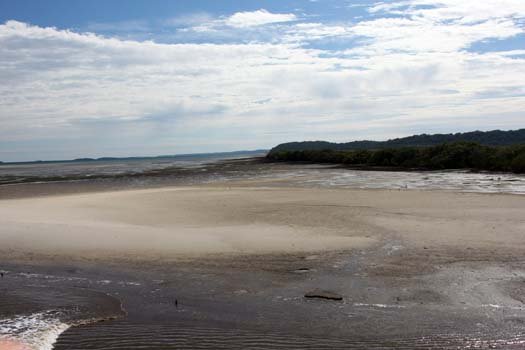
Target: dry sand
(203, 221)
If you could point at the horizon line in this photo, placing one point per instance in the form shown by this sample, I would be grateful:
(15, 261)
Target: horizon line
(91, 159)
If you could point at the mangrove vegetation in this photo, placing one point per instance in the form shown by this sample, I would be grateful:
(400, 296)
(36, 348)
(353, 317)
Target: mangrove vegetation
(454, 155)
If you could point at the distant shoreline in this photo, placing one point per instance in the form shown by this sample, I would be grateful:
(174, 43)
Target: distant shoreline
(105, 159)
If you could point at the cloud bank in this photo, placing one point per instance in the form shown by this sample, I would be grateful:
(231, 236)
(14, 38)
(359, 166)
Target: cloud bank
(408, 67)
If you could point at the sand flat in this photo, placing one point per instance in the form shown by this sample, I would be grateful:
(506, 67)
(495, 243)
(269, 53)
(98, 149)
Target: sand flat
(198, 221)
(437, 268)
(166, 222)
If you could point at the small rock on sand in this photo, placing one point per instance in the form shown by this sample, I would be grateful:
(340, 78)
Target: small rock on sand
(323, 294)
(302, 270)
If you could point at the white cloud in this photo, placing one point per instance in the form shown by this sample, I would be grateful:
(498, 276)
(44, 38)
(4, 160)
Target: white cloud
(439, 25)
(248, 20)
(419, 26)
(421, 35)
(468, 11)
(315, 31)
(257, 18)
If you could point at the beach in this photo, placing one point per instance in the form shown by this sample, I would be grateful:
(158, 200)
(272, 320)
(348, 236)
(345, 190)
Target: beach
(227, 265)
(191, 222)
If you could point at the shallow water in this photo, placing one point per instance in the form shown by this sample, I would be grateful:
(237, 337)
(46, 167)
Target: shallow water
(462, 181)
(142, 173)
(34, 314)
(67, 170)
(246, 321)
(125, 335)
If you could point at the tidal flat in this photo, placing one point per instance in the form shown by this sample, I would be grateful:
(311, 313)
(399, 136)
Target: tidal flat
(227, 264)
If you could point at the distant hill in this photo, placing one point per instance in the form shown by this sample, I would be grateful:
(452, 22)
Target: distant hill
(480, 151)
(489, 138)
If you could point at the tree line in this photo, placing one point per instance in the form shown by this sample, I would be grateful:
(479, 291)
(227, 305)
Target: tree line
(490, 138)
(455, 155)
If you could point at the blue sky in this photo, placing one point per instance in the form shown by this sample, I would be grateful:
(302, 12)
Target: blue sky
(78, 14)
(129, 77)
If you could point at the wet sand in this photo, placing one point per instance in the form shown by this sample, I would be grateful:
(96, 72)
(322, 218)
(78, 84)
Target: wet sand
(415, 268)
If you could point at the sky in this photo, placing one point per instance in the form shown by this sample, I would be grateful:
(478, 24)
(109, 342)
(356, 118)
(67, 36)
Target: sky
(128, 77)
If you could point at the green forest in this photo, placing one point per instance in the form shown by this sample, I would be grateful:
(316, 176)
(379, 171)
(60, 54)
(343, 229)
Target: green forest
(454, 155)
(489, 138)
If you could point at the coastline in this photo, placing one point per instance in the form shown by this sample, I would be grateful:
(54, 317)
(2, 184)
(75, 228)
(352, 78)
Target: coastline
(176, 175)
(256, 172)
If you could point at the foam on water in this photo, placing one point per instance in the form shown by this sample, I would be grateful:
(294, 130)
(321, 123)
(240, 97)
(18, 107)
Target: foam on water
(35, 309)
(37, 331)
